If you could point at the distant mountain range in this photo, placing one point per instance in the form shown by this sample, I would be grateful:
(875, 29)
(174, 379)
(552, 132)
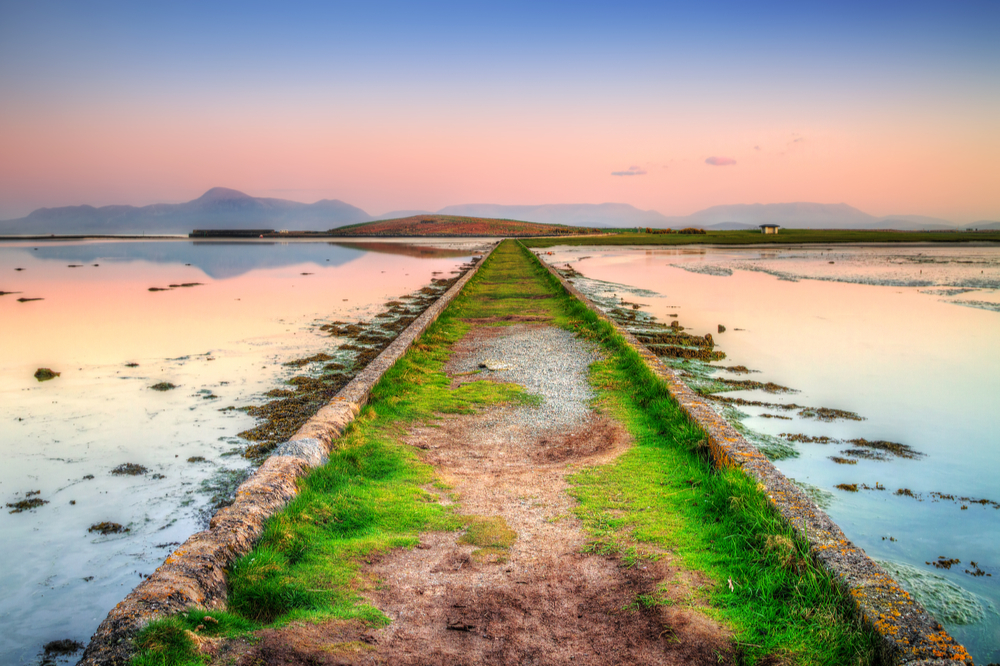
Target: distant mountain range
(222, 208)
(219, 208)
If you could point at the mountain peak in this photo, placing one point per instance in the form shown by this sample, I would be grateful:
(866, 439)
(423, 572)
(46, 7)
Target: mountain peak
(222, 194)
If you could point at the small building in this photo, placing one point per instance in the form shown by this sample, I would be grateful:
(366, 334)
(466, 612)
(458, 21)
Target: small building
(769, 229)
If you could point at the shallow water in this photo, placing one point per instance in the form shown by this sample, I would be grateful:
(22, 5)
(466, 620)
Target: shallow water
(907, 338)
(222, 343)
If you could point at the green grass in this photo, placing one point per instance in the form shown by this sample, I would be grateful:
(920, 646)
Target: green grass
(754, 237)
(659, 497)
(662, 496)
(171, 641)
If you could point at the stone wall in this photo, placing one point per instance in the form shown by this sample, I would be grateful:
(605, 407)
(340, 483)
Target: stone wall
(909, 634)
(195, 574)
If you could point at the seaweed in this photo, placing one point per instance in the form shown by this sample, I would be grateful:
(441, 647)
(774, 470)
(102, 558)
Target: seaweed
(802, 437)
(294, 406)
(45, 374)
(866, 454)
(163, 386)
(948, 602)
(735, 400)
(895, 448)
(829, 414)
(27, 504)
(769, 387)
(130, 469)
(107, 528)
(843, 461)
(305, 361)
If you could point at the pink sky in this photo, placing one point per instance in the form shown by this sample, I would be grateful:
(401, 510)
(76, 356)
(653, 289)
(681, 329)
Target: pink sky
(843, 114)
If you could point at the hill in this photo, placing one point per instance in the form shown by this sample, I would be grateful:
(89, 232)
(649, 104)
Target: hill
(589, 215)
(455, 225)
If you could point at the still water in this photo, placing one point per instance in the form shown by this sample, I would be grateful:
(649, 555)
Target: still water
(222, 340)
(906, 338)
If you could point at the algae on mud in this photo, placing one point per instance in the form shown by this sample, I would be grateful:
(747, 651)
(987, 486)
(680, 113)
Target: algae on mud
(291, 408)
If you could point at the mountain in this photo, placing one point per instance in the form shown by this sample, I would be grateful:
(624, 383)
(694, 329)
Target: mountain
(583, 215)
(984, 224)
(797, 215)
(222, 208)
(803, 215)
(800, 215)
(219, 208)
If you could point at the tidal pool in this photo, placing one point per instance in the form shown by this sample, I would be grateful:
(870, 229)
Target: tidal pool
(237, 313)
(907, 338)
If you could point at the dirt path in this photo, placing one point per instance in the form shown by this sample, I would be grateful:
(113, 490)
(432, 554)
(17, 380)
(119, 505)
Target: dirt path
(517, 587)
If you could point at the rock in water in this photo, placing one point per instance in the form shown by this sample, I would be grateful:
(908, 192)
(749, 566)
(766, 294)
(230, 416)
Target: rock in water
(43, 374)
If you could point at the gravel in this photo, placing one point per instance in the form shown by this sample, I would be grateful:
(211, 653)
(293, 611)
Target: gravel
(546, 361)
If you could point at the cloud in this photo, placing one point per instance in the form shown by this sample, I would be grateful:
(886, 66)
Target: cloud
(632, 171)
(720, 161)
(756, 148)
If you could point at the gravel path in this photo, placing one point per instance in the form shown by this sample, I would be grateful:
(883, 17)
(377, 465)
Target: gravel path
(547, 361)
(528, 592)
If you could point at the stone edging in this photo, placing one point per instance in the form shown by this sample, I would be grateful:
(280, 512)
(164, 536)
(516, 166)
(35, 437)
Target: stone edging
(909, 634)
(195, 574)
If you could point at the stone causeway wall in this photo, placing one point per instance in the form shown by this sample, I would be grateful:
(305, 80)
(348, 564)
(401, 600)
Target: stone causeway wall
(195, 574)
(909, 634)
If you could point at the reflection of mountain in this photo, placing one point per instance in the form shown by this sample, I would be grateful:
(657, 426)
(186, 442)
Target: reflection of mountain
(216, 259)
(407, 249)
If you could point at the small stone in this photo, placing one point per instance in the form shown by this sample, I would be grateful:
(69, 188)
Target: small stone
(494, 365)
(722, 328)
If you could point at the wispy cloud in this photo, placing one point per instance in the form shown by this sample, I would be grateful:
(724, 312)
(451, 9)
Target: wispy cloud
(631, 171)
(720, 161)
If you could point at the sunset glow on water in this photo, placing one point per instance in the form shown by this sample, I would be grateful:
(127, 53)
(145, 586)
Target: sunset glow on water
(907, 338)
(222, 343)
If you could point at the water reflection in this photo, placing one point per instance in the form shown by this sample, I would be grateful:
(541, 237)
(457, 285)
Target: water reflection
(221, 343)
(885, 333)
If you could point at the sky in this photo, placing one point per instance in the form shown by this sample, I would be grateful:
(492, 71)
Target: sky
(891, 107)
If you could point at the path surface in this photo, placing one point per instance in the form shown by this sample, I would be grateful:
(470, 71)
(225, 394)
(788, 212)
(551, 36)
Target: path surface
(543, 599)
